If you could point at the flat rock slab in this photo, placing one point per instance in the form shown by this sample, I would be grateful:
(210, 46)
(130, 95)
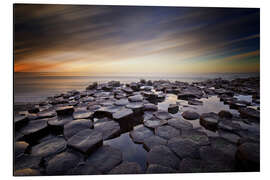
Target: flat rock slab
(121, 102)
(34, 130)
(225, 114)
(106, 111)
(20, 148)
(153, 141)
(228, 125)
(84, 169)
(209, 120)
(122, 114)
(184, 147)
(76, 126)
(231, 137)
(64, 110)
(198, 137)
(214, 160)
(250, 113)
(108, 129)
(127, 168)
(189, 165)
(49, 147)
(62, 163)
(167, 132)
(27, 161)
(154, 123)
(224, 146)
(180, 124)
(158, 169)
(190, 115)
(86, 140)
(163, 115)
(82, 115)
(163, 156)
(55, 122)
(248, 156)
(150, 107)
(137, 107)
(135, 98)
(46, 114)
(105, 158)
(139, 134)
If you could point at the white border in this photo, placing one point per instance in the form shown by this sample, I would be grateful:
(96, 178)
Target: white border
(6, 40)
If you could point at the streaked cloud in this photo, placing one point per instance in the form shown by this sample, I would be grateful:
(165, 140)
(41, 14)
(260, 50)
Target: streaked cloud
(126, 39)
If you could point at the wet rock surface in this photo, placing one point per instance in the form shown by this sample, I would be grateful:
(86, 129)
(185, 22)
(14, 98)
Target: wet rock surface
(208, 126)
(127, 168)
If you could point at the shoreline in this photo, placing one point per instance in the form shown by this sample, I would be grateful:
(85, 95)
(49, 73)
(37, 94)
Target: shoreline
(142, 127)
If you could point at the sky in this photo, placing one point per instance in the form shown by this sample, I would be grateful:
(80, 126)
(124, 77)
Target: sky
(135, 39)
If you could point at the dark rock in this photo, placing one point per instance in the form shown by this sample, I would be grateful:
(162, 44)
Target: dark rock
(105, 158)
(224, 146)
(135, 98)
(225, 114)
(162, 155)
(158, 169)
(194, 102)
(137, 107)
(198, 137)
(209, 120)
(127, 90)
(76, 126)
(153, 141)
(65, 110)
(154, 123)
(214, 160)
(33, 110)
(228, 125)
(189, 165)
(167, 132)
(49, 147)
(86, 140)
(163, 115)
(126, 168)
(248, 156)
(173, 108)
(184, 147)
(108, 129)
(27, 172)
(121, 102)
(150, 107)
(58, 124)
(231, 137)
(122, 114)
(139, 134)
(92, 86)
(186, 96)
(106, 111)
(20, 148)
(27, 161)
(250, 113)
(46, 114)
(34, 130)
(190, 115)
(180, 124)
(84, 169)
(62, 163)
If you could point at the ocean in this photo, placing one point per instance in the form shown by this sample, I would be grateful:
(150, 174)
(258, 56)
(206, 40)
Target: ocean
(35, 87)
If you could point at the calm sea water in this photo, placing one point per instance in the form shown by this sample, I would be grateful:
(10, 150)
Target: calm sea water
(35, 87)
